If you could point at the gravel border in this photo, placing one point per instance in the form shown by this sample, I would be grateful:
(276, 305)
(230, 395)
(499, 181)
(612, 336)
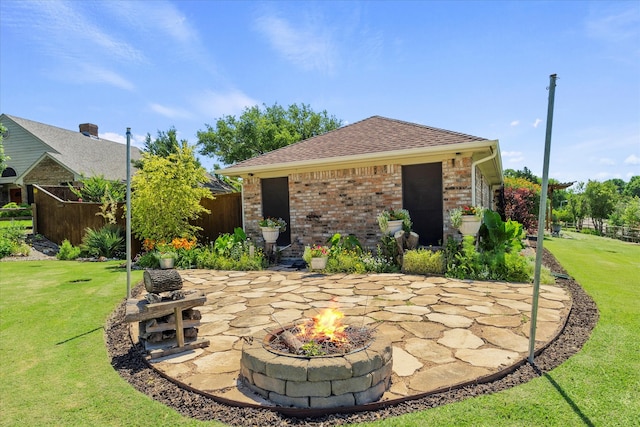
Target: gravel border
(133, 367)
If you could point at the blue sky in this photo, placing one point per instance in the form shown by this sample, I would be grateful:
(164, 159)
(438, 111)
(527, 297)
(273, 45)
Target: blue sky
(480, 68)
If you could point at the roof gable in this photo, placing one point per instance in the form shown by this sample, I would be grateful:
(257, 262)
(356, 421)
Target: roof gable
(375, 135)
(80, 154)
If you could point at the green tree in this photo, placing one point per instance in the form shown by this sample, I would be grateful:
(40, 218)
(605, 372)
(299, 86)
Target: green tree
(524, 173)
(260, 130)
(166, 196)
(633, 187)
(577, 206)
(164, 144)
(3, 157)
(601, 198)
(618, 183)
(631, 215)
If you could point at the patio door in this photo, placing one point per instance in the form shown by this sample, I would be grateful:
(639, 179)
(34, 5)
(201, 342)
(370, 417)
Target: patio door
(422, 197)
(275, 203)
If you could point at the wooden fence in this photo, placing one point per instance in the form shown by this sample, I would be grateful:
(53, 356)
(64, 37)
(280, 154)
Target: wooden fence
(58, 219)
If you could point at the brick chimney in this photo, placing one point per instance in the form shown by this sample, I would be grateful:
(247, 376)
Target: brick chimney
(89, 128)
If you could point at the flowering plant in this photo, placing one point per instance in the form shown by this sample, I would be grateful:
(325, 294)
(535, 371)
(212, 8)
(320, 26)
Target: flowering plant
(456, 215)
(317, 251)
(273, 223)
(394, 215)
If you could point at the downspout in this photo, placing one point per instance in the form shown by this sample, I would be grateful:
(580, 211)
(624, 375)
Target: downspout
(473, 174)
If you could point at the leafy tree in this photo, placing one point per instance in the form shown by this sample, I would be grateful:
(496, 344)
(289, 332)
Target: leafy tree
(633, 187)
(167, 194)
(631, 215)
(260, 130)
(619, 184)
(524, 173)
(577, 206)
(602, 198)
(3, 157)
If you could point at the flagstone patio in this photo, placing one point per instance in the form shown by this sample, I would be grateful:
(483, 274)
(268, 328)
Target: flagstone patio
(444, 332)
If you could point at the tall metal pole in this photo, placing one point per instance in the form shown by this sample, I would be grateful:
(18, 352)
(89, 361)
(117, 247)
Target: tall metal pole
(128, 214)
(541, 218)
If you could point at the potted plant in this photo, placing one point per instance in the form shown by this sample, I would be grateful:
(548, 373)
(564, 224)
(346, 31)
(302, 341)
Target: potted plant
(391, 220)
(466, 219)
(316, 257)
(271, 228)
(166, 255)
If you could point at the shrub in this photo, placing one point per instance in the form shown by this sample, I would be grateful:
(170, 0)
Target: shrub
(208, 259)
(98, 188)
(423, 261)
(346, 262)
(24, 210)
(108, 241)
(12, 241)
(148, 260)
(67, 251)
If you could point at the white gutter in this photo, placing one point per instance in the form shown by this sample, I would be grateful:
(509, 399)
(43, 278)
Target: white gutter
(473, 174)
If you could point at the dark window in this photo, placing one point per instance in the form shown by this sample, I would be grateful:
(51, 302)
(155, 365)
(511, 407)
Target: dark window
(9, 172)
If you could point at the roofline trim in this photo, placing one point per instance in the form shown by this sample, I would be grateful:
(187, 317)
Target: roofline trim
(387, 156)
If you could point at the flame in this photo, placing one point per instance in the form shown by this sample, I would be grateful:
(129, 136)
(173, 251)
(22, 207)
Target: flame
(326, 325)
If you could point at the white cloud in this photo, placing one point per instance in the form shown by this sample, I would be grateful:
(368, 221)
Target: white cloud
(515, 123)
(632, 160)
(136, 140)
(97, 74)
(536, 123)
(513, 156)
(614, 26)
(172, 113)
(308, 47)
(606, 161)
(216, 104)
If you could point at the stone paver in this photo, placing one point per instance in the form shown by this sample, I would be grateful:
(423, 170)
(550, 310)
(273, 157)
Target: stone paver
(444, 331)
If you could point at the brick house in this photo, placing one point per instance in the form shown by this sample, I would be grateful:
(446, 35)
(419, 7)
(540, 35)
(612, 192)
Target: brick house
(48, 155)
(338, 182)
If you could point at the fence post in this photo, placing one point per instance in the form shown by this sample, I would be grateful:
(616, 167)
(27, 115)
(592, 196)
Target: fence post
(34, 218)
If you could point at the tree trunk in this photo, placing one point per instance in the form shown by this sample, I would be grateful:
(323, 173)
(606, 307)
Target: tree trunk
(157, 281)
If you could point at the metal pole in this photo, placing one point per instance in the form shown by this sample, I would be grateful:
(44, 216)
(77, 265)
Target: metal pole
(541, 218)
(128, 214)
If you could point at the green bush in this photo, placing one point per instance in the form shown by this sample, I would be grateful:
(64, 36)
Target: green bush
(209, 259)
(423, 261)
(67, 251)
(346, 262)
(25, 210)
(12, 241)
(108, 241)
(148, 260)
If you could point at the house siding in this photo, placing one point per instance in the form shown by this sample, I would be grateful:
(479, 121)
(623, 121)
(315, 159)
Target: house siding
(347, 201)
(22, 148)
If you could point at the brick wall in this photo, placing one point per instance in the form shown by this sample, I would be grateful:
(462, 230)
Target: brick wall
(347, 201)
(48, 172)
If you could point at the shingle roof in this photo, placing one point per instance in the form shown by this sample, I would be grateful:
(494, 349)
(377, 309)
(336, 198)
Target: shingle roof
(81, 154)
(369, 136)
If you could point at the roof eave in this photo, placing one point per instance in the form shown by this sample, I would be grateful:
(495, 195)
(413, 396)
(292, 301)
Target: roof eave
(337, 162)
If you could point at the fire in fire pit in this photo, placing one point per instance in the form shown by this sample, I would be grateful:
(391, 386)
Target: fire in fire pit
(319, 363)
(324, 335)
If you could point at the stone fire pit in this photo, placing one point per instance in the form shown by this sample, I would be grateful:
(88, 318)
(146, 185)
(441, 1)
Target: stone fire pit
(357, 378)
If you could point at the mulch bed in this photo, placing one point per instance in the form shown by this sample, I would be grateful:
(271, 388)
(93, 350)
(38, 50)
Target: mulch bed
(132, 366)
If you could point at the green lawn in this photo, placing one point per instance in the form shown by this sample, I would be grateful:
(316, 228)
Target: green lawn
(54, 368)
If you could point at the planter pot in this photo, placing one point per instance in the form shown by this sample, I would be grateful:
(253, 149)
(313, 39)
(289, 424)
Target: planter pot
(269, 234)
(319, 263)
(470, 225)
(166, 263)
(393, 227)
(555, 229)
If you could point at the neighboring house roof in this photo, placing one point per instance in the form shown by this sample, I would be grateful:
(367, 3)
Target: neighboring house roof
(218, 186)
(80, 154)
(373, 139)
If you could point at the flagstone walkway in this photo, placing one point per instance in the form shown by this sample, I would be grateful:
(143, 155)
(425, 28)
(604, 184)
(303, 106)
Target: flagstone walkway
(444, 332)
